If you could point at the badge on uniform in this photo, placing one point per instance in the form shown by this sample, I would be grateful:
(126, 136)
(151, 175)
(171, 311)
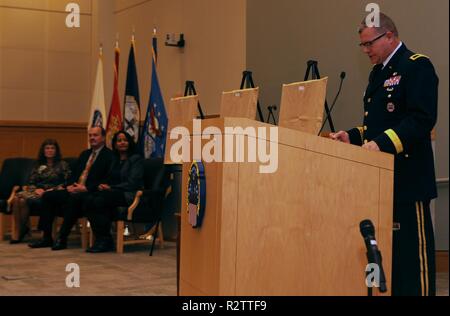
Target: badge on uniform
(390, 107)
(392, 82)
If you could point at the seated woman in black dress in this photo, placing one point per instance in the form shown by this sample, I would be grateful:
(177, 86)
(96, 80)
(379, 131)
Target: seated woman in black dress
(49, 173)
(127, 177)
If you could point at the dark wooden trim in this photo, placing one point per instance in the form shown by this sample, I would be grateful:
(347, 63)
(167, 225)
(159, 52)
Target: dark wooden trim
(38, 124)
(212, 116)
(23, 138)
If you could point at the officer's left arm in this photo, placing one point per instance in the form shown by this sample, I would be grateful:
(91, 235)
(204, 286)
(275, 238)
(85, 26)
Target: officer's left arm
(421, 103)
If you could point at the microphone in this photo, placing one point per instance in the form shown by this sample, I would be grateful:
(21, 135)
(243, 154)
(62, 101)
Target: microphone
(342, 76)
(373, 254)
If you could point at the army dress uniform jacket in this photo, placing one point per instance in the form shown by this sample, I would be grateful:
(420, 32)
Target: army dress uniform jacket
(400, 106)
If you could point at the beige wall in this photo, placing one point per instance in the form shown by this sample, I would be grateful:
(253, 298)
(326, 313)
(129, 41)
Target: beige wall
(282, 35)
(45, 68)
(214, 56)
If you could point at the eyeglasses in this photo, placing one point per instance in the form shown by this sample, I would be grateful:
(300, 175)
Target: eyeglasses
(370, 43)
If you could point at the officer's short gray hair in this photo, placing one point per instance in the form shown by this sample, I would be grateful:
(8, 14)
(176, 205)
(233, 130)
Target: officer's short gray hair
(386, 25)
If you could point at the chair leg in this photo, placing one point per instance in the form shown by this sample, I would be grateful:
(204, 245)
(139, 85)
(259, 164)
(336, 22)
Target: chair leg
(14, 233)
(154, 237)
(119, 236)
(33, 222)
(160, 236)
(91, 236)
(84, 233)
(2, 226)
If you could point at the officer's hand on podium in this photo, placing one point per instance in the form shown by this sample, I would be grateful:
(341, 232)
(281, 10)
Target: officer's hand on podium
(340, 136)
(372, 146)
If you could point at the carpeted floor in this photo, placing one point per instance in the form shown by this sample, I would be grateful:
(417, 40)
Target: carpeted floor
(25, 271)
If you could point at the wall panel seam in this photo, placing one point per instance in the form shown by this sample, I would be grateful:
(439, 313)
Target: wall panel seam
(131, 6)
(40, 10)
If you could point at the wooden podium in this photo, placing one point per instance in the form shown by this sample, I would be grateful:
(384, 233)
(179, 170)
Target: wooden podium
(292, 232)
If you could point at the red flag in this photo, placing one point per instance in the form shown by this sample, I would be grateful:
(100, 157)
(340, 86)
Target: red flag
(115, 114)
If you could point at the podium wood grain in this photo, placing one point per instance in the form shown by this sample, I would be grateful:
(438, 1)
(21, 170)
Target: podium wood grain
(293, 232)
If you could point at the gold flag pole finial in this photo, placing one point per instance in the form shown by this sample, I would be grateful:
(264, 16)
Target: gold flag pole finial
(133, 34)
(101, 50)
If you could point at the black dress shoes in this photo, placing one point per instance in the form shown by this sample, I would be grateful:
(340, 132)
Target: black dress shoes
(60, 244)
(41, 243)
(101, 246)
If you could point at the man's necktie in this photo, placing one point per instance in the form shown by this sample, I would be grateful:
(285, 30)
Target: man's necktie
(85, 173)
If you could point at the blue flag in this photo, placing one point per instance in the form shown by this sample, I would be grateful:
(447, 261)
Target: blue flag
(154, 134)
(132, 109)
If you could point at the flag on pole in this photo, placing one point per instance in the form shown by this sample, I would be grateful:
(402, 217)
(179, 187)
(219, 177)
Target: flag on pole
(115, 115)
(98, 116)
(153, 139)
(132, 108)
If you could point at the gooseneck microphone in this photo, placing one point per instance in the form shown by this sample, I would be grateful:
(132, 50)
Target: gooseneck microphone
(342, 76)
(373, 254)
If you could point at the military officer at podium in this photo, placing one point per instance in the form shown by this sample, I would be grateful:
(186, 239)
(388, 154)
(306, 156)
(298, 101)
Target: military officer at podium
(400, 111)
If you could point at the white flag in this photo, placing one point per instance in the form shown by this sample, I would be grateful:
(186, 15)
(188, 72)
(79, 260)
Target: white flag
(98, 109)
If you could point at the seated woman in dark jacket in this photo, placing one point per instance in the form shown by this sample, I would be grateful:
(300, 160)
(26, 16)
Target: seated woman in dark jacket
(49, 173)
(127, 177)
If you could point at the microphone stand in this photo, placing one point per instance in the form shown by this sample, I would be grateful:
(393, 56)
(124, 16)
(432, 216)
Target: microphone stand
(373, 255)
(369, 289)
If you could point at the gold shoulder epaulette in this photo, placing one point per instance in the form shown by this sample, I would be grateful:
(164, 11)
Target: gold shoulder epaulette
(417, 56)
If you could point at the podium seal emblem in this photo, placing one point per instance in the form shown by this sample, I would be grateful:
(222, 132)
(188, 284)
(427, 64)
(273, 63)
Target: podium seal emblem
(196, 192)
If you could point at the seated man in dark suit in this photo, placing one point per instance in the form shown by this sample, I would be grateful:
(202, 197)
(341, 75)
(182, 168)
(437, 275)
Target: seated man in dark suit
(93, 167)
